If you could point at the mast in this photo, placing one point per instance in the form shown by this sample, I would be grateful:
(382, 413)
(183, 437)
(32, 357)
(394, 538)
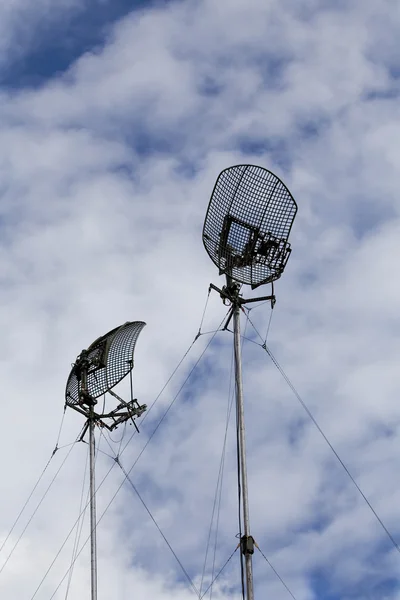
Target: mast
(93, 537)
(247, 542)
(245, 233)
(90, 424)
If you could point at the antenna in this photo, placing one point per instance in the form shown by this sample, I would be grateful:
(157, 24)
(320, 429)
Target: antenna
(248, 223)
(245, 233)
(96, 371)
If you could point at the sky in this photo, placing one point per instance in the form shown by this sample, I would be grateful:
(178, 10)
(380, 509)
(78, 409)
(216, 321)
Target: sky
(116, 118)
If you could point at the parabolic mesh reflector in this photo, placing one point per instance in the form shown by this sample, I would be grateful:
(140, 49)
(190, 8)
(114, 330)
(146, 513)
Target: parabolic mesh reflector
(247, 224)
(110, 359)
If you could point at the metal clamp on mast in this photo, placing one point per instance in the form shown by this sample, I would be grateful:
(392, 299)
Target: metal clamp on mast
(245, 233)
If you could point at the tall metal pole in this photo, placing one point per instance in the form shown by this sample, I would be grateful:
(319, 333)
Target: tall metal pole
(93, 541)
(93, 545)
(247, 542)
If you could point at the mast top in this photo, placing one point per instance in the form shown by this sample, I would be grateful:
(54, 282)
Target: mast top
(248, 223)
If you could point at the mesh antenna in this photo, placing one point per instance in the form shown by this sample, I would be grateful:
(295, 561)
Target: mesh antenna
(248, 223)
(245, 233)
(99, 369)
(95, 373)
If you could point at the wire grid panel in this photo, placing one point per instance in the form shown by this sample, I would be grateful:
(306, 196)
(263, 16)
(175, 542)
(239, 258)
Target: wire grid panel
(248, 223)
(110, 359)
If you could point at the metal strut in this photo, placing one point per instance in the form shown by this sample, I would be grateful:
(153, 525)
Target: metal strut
(93, 536)
(230, 295)
(85, 398)
(247, 542)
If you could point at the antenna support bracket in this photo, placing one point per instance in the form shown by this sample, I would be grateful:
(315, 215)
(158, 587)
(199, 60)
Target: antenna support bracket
(230, 296)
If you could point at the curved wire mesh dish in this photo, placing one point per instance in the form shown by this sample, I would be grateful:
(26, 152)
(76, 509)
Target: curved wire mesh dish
(248, 223)
(110, 359)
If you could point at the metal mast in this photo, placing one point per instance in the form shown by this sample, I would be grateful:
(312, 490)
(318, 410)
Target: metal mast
(245, 233)
(86, 399)
(96, 371)
(247, 544)
(93, 523)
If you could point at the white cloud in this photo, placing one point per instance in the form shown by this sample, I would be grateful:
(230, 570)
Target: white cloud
(105, 176)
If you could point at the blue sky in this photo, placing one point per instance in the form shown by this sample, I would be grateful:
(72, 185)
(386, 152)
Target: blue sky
(58, 41)
(115, 120)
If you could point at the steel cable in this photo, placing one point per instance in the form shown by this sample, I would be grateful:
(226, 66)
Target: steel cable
(65, 541)
(79, 526)
(173, 373)
(219, 572)
(117, 460)
(135, 462)
(313, 419)
(217, 497)
(56, 448)
(36, 509)
(276, 572)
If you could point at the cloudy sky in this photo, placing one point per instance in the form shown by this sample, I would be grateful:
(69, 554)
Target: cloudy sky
(116, 118)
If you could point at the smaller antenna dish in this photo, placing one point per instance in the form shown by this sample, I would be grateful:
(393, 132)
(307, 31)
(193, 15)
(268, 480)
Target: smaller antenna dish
(102, 366)
(248, 223)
